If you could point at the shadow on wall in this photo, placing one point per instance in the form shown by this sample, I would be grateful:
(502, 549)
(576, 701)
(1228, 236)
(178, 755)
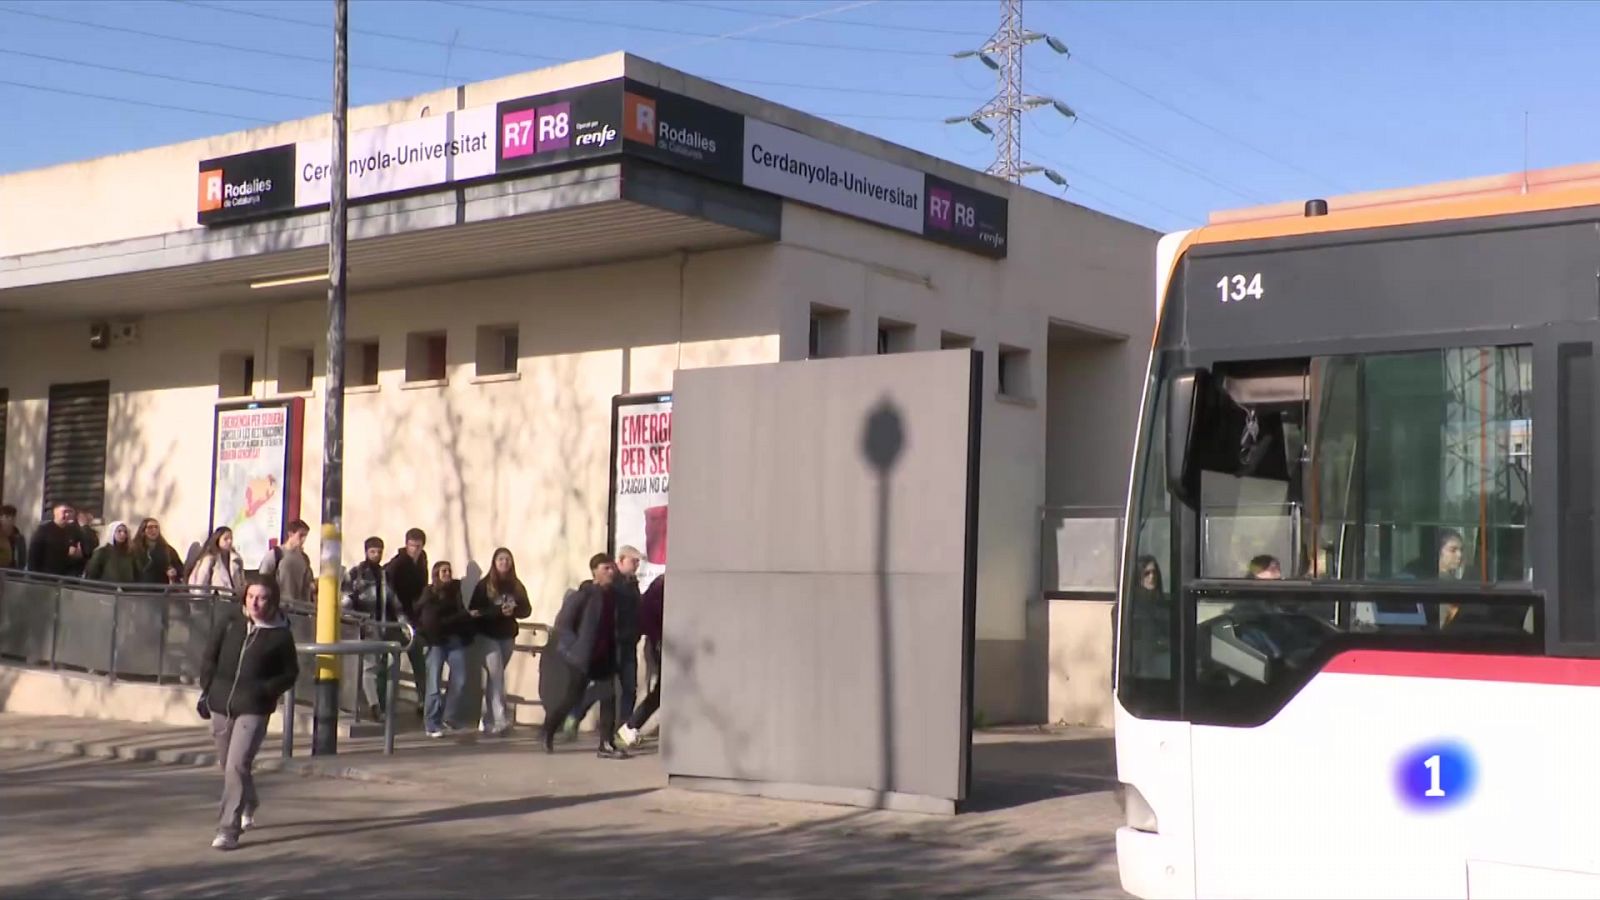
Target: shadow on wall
(139, 476)
(882, 442)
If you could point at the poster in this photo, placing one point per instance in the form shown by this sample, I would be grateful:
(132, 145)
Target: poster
(255, 478)
(641, 466)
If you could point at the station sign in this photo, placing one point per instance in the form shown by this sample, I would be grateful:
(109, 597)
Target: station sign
(605, 120)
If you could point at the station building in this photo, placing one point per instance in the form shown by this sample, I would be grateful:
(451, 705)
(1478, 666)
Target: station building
(524, 252)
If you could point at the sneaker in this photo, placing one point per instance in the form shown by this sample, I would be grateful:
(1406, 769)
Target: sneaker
(247, 821)
(570, 730)
(627, 736)
(612, 751)
(224, 842)
(547, 740)
(452, 729)
(435, 733)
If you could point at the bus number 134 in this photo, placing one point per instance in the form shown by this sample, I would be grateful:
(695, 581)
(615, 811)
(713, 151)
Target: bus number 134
(1236, 288)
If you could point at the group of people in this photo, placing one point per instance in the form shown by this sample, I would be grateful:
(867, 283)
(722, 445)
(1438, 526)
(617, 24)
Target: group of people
(68, 545)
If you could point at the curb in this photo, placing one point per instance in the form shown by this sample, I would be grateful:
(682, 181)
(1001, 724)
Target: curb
(193, 759)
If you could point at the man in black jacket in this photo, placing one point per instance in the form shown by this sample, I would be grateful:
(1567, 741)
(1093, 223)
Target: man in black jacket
(581, 651)
(58, 546)
(13, 548)
(408, 575)
(249, 663)
(626, 596)
(368, 590)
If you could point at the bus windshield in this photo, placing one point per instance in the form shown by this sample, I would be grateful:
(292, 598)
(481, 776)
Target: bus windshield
(1387, 485)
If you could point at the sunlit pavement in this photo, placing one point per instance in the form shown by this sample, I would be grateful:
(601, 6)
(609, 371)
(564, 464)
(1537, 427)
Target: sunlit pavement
(498, 819)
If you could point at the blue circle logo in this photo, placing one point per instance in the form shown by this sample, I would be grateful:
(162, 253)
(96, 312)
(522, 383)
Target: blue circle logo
(1436, 776)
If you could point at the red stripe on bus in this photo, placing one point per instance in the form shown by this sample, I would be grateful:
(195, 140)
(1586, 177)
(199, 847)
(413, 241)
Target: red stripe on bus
(1468, 666)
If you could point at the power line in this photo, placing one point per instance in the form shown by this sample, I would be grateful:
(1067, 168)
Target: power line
(322, 26)
(132, 102)
(145, 73)
(769, 26)
(555, 17)
(1138, 198)
(882, 26)
(1266, 154)
(213, 44)
(1169, 158)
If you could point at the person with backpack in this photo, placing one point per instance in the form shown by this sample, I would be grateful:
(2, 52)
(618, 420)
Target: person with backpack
(249, 663)
(498, 602)
(218, 565)
(291, 568)
(368, 591)
(582, 650)
(113, 561)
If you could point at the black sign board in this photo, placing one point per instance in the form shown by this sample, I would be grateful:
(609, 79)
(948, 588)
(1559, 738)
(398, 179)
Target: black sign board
(247, 185)
(682, 133)
(548, 129)
(964, 218)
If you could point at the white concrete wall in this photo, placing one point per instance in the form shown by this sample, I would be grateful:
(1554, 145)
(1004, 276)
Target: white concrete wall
(1066, 265)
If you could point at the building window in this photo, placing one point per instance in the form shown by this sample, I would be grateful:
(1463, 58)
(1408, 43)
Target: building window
(361, 364)
(296, 370)
(895, 337)
(1015, 375)
(236, 375)
(75, 445)
(497, 350)
(951, 341)
(827, 336)
(425, 356)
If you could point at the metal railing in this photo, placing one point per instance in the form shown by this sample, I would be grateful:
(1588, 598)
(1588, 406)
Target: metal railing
(149, 633)
(358, 649)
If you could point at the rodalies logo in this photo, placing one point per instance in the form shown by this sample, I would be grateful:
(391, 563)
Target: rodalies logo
(210, 190)
(639, 118)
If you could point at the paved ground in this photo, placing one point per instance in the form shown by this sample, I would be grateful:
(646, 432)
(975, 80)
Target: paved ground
(497, 819)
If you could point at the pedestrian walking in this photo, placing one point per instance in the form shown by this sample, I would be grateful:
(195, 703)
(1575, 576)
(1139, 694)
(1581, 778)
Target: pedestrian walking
(447, 630)
(113, 561)
(155, 559)
(651, 618)
(625, 594)
(581, 652)
(498, 602)
(250, 662)
(13, 546)
(58, 546)
(369, 591)
(290, 567)
(408, 572)
(218, 565)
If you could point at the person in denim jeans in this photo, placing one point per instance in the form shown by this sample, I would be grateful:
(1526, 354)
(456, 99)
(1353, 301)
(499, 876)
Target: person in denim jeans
(446, 629)
(498, 602)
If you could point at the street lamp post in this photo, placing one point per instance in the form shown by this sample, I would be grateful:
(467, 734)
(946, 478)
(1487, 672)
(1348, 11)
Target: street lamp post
(325, 724)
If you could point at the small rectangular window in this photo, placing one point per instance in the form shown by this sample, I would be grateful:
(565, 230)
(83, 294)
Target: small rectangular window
(425, 356)
(361, 364)
(497, 350)
(236, 375)
(952, 341)
(828, 336)
(75, 445)
(1016, 379)
(895, 337)
(296, 370)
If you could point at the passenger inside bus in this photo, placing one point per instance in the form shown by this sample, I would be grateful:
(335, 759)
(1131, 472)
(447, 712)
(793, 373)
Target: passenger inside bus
(1266, 568)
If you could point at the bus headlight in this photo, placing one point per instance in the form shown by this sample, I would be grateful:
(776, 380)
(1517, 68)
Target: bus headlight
(1136, 811)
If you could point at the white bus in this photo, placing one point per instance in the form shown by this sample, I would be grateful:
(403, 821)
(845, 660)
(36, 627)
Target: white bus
(1358, 647)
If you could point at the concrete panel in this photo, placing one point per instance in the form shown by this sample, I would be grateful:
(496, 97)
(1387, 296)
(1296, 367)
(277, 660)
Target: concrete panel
(818, 639)
(1080, 662)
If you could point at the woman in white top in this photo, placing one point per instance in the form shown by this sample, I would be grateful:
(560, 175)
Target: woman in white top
(218, 565)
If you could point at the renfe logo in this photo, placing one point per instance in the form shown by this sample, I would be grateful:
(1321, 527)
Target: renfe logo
(639, 119)
(531, 131)
(210, 190)
(949, 214)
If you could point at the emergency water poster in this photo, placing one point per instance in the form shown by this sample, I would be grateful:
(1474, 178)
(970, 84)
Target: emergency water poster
(254, 485)
(641, 467)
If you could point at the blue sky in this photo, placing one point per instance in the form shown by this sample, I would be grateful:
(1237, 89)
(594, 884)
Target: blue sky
(1184, 107)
